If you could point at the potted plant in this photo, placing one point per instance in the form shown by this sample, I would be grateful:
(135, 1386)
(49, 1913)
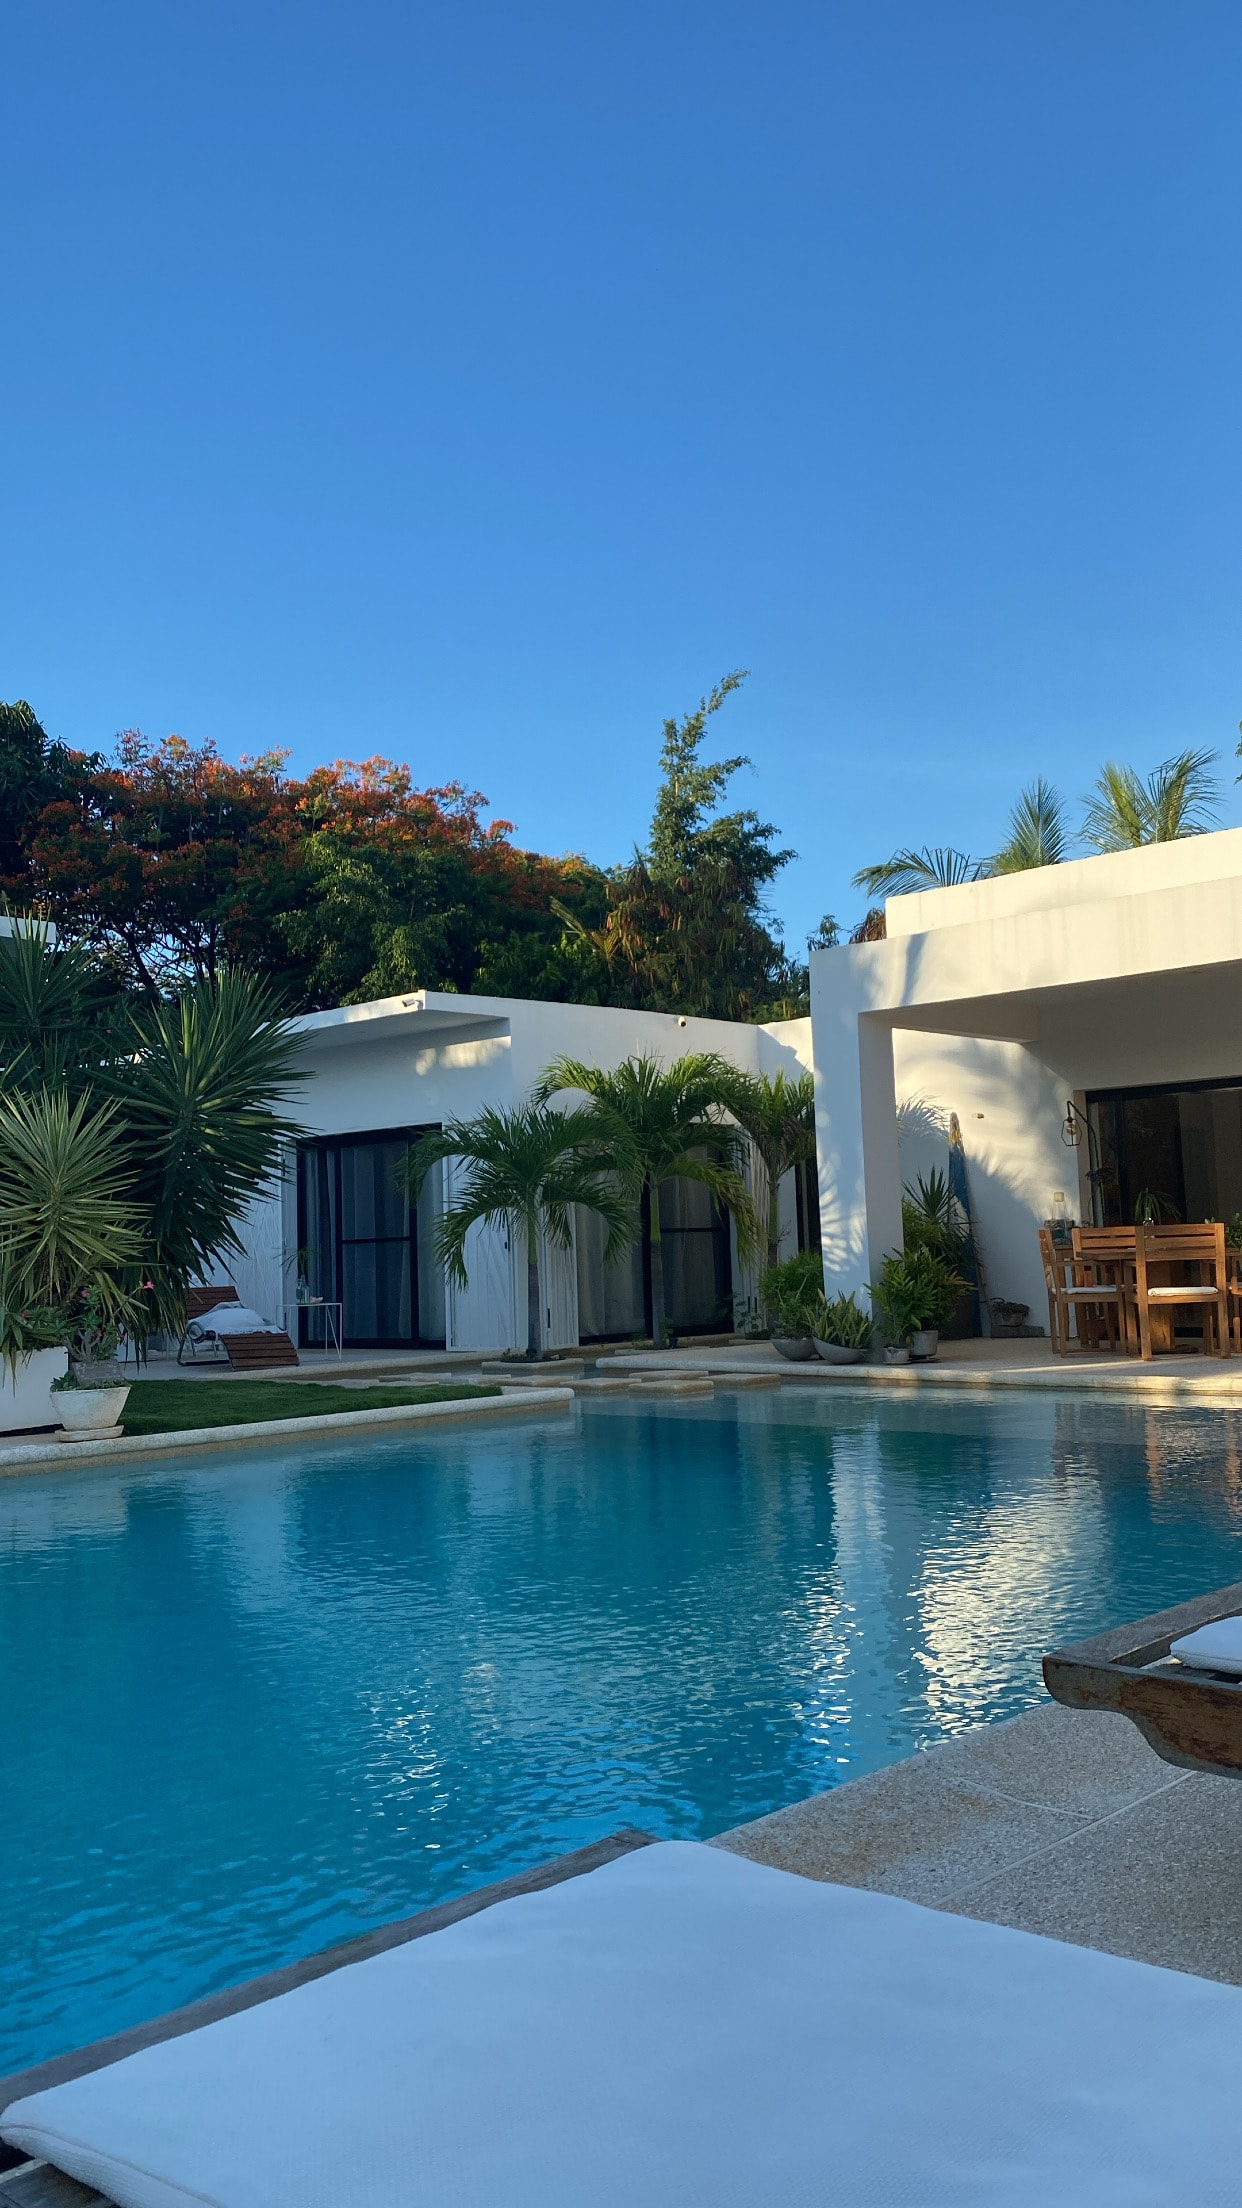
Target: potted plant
(842, 1331)
(792, 1294)
(91, 1395)
(914, 1295)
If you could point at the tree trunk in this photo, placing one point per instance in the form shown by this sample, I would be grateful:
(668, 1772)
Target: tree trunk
(774, 1217)
(533, 1313)
(657, 1264)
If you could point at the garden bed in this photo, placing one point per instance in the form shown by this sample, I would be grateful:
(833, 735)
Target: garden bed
(179, 1406)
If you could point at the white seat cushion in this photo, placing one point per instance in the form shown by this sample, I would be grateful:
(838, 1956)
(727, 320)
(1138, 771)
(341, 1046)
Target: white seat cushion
(684, 2029)
(1215, 1647)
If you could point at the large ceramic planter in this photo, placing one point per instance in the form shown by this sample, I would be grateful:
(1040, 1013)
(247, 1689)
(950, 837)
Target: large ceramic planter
(835, 1353)
(925, 1343)
(89, 1414)
(26, 1399)
(797, 1347)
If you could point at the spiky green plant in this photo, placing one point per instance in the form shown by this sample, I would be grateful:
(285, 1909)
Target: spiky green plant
(72, 1243)
(195, 1089)
(657, 1123)
(525, 1170)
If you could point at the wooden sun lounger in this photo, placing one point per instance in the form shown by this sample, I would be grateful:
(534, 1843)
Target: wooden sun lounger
(1191, 1718)
(244, 1352)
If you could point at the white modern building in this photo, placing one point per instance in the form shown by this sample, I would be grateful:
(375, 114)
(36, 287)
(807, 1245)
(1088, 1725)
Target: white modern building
(378, 1075)
(1083, 1021)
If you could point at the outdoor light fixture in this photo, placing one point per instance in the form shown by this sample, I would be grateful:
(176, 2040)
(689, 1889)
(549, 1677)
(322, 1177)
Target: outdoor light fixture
(1073, 1126)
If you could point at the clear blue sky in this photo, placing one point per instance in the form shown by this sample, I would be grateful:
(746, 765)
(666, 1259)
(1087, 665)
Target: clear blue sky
(474, 383)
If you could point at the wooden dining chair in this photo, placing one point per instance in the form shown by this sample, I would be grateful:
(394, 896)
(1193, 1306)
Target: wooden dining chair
(1201, 1248)
(1097, 1305)
(1104, 1259)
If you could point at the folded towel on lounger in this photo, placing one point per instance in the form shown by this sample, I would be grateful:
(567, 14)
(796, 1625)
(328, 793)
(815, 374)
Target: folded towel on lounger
(683, 2029)
(229, 1318)
(1215, 1647)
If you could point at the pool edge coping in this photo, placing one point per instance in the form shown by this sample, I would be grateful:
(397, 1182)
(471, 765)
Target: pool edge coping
(44, 1454)
(212, 2008)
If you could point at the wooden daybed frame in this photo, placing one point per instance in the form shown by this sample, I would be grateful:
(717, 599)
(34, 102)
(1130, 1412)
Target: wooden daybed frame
(244, 1352)
(1191, 1718)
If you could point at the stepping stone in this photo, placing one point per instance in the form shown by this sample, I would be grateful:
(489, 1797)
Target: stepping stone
(679, 1384)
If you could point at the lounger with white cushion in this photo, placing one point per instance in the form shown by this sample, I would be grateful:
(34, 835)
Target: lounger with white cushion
(683, 2029)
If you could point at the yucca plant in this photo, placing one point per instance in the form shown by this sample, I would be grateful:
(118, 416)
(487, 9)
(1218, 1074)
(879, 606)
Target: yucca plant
(525, 1170)
(657, 1123)
(72, 1244)
(194, 1090)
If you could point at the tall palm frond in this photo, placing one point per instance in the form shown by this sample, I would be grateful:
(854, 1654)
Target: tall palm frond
(935, 866)
(1038, 835)
(525, 1170)
(778, 1116)
(659, 1123)
(1178, 799)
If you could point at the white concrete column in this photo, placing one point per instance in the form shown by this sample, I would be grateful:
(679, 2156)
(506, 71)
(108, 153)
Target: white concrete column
(856, 1138)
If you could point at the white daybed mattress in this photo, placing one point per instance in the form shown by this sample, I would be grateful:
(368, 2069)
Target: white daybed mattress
(684, 2029)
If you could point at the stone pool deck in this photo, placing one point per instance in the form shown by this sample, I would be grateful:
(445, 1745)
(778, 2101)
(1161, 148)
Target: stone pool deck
(1059, 1822)
(970, 1365)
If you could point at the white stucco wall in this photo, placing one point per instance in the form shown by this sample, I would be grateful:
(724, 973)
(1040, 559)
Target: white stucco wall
(1000, 999)
(425, 1058)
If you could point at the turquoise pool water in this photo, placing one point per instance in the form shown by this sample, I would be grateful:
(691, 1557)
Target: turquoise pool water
(252, 1702)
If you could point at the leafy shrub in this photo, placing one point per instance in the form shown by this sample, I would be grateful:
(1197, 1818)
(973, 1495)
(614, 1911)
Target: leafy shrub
(793, 1294)
(918, 1289)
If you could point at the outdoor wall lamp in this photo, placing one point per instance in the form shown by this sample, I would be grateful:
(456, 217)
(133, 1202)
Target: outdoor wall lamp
(1073, 1126)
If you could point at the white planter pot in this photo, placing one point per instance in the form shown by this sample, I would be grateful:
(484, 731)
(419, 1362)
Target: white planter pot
(89, 1414)
(896, 1353)
(834, 1353)
(797, 1347)
(26, 1400)
(925, 1343)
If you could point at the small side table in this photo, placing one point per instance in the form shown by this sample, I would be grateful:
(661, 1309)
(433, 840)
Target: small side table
(333, 1321)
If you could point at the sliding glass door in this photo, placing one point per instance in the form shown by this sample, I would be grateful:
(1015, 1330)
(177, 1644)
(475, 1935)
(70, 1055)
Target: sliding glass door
(359, 1242)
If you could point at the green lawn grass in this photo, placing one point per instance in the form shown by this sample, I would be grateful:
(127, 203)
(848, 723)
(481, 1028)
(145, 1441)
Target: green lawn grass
(175, 1406)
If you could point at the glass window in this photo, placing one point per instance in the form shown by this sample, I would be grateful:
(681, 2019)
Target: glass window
(1175, 1152)
(363, 1248)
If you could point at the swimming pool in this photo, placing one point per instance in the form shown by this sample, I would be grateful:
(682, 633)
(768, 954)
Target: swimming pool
(254, 1701)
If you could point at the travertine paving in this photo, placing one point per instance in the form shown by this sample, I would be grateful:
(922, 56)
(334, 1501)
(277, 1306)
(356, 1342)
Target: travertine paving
(1060, 1822)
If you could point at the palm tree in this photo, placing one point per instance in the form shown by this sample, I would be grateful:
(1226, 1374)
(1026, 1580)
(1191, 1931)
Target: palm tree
(658, 1123)
(779, 1117)
(1179, 799)
(1037, 831)
(937, 866)
(525, 1169)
